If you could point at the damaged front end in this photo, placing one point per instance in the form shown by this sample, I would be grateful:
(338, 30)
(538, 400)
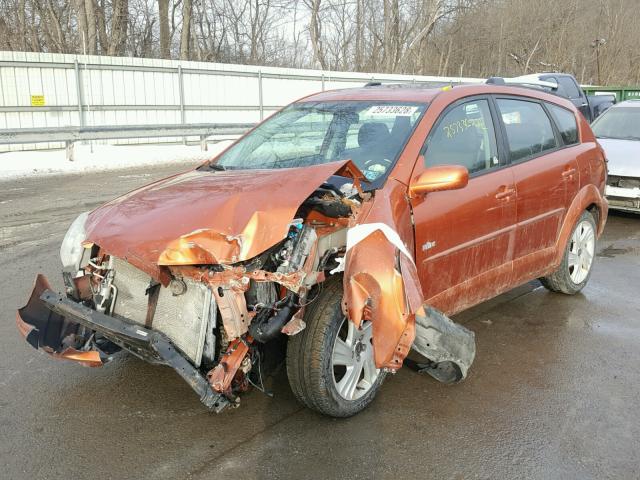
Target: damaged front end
(208, 297)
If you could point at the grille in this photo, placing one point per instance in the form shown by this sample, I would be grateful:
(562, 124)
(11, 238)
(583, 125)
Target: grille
(182, 318)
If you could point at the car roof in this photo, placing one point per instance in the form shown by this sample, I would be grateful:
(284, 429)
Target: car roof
(427, 93)
(628, 103)
(393, 92)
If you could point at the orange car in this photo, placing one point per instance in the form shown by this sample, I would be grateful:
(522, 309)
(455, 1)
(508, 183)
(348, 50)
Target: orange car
(345, 228)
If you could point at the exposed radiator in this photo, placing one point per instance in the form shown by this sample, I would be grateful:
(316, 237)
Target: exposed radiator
(182, 318)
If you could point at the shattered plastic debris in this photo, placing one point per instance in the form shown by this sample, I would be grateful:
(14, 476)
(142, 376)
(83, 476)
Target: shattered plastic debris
(450, 347)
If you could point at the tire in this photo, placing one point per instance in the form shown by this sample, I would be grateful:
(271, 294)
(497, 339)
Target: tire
(315, 357)
(577, 262)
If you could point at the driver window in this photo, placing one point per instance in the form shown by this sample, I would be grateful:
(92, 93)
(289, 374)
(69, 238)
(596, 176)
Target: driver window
(464, 136)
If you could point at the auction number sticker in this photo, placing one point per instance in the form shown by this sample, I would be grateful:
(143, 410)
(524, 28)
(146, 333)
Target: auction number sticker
(389, 110)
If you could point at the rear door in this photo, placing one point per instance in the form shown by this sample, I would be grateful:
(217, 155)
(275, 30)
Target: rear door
(545, 176)
(464, 237)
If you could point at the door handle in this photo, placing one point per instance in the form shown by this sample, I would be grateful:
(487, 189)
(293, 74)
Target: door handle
(505, 192)
(569, 173)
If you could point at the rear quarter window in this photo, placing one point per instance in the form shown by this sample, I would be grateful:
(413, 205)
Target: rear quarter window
(566, 123)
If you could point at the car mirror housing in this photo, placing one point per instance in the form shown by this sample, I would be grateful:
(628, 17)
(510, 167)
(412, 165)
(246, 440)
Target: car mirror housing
(439, 178)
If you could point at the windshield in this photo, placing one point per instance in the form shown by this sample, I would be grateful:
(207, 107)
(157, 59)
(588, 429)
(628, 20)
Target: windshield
(370, 133)
(618, 122)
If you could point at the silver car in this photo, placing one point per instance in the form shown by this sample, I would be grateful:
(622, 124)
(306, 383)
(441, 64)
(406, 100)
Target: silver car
(618, 131)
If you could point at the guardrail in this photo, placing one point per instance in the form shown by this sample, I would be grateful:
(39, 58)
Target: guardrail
(70, 135)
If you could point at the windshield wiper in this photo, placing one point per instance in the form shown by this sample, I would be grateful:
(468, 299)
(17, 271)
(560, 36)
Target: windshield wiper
(216, 167)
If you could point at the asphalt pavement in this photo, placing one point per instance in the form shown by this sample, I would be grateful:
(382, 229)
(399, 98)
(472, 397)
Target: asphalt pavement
(554, 391)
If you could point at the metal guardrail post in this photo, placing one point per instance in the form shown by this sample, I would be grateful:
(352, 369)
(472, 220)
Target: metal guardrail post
(69, 145)
(181, 95)
(79, 92)
(69, 150)
(260, 95)
(322, 78)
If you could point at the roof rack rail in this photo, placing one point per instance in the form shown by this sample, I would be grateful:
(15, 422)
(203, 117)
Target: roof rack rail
(495, 81)
(525, 81)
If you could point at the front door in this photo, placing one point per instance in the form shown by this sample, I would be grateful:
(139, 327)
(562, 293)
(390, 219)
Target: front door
(464, 238)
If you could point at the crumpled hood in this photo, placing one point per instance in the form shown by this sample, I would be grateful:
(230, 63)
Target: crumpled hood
(206, 217)
(623, 156)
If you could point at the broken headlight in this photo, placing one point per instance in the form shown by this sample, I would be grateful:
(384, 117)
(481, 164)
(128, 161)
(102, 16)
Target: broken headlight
(71, 248)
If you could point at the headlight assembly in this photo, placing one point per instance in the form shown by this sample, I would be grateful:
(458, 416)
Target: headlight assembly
(71, 248)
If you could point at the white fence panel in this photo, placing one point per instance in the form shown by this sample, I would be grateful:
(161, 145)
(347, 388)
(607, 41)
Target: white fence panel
(58, 90)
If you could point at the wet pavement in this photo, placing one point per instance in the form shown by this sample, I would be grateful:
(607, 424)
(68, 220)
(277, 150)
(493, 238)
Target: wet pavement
(554, 391)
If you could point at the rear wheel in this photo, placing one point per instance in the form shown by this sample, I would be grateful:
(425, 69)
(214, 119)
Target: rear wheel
(575, 269)
(330, 364)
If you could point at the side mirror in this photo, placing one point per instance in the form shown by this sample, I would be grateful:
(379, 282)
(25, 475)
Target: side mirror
(439, 178)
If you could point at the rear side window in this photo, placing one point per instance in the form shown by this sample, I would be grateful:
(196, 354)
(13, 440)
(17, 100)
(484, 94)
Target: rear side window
(570, 87)
(566, 123)
(528, 128)
(464, 136)
(566, 86)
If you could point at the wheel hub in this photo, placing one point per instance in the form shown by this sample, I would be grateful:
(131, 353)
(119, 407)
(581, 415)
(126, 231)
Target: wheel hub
(352, 360)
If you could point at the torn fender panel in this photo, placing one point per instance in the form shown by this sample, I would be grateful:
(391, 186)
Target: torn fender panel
(89, 358)
(449, 346)
(203, 217)
(379, 284)
(41, 327)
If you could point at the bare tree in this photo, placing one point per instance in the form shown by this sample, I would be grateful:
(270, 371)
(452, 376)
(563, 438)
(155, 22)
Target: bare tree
(185, 35)
(92, 27)
(445, 37)
(163, 15)
(119, 24)
(81, 14)
(315, 33)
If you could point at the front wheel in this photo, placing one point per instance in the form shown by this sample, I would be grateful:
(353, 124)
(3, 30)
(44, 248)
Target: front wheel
(574, 271)
(330, 364)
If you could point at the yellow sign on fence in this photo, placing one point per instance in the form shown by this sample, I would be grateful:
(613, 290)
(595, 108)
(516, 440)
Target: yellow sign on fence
(37, 100)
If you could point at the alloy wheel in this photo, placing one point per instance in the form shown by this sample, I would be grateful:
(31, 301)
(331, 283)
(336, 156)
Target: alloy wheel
(352, 360)
(581, 251)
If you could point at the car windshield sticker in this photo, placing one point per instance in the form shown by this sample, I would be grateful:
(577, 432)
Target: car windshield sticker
(511, 118)
(391, 110)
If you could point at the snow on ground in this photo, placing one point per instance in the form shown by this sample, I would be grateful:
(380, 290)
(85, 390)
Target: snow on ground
(104, 157)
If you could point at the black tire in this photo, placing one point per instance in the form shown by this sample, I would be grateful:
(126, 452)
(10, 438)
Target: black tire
(560, 281)
(309, 365)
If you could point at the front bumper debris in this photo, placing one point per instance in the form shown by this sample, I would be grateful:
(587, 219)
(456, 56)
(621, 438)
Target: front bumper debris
(49, 320)
(449, 347)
